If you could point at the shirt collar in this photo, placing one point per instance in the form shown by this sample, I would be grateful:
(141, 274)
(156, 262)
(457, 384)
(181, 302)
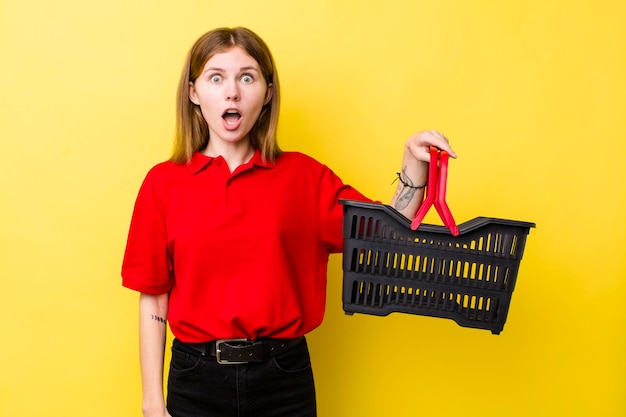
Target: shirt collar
(199, 161)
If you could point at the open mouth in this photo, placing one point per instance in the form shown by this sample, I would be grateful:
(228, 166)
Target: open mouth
(231, 117)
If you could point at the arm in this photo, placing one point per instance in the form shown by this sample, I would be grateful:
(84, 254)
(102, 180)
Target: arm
(414, 172)
(152, 333)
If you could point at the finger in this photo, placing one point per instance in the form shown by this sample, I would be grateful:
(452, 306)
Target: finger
(442, 142)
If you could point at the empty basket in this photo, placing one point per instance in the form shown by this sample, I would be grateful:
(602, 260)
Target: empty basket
(466, 274)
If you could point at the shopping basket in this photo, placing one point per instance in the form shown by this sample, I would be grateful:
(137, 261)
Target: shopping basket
(465, 273)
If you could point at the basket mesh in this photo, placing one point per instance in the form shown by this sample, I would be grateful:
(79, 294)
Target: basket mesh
(468, 278)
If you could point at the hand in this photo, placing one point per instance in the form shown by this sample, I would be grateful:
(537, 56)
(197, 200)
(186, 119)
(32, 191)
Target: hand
(418, 145)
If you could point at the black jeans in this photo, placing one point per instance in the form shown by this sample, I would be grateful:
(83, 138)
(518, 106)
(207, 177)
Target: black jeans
(200, 387)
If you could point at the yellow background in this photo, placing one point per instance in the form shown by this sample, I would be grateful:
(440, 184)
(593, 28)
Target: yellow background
(532, 94)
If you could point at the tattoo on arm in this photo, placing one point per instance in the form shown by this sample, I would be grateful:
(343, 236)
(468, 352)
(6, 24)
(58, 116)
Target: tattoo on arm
(404, 194)
(159, 319)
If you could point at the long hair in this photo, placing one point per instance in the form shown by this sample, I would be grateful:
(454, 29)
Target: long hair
(192, 132)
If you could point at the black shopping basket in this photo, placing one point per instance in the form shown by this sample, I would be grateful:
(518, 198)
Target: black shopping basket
(465, 273)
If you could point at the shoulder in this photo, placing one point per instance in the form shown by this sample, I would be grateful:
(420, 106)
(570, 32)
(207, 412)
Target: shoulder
(300, 161)
(162, 175)
(306, 169)
(166, 170)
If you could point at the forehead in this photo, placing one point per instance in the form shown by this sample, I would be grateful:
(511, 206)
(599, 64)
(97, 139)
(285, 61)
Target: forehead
(233, 58)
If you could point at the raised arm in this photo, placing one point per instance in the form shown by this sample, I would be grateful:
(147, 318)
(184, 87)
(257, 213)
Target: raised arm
(413, 173)
(152, 334)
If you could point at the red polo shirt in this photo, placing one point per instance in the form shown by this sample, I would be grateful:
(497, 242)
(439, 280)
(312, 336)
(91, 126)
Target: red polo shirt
(242, 254)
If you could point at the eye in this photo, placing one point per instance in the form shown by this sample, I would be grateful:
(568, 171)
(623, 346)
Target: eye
(247, 79)
(216, 79)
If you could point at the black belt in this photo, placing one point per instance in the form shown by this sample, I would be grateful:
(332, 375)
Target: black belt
(240, 351)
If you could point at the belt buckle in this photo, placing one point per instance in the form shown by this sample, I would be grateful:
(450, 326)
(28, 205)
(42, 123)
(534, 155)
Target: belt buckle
(218, 352)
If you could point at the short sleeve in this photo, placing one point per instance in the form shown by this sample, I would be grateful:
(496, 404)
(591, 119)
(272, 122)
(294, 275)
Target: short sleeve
(332, 190)
(146, 267)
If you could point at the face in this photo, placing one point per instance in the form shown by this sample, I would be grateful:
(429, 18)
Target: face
(231, 91)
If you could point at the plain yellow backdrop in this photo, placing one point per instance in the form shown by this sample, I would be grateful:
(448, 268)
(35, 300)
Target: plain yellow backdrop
(532, 95)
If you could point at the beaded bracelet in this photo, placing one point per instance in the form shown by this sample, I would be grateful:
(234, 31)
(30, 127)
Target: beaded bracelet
(413, 187)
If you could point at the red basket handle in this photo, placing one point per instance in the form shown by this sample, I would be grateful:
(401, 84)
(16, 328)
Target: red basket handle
(431, 189)
(436, 192)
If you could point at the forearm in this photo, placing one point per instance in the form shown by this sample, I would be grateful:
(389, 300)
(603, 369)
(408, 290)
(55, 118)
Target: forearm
(152, 335)
(412, 180)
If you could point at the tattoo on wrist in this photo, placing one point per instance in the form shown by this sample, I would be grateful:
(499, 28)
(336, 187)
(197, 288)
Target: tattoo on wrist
(407, 182)
(405, 194)
(157, 318)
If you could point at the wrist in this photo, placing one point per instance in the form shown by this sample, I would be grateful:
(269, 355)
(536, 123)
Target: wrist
(407, 182)
(153, 404)
(154, 409)
(414, 170)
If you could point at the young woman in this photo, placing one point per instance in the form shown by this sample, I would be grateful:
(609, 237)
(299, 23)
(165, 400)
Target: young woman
(229, 242)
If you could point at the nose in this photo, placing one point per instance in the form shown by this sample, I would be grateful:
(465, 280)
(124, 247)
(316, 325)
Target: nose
(232, 96)
(232, 92)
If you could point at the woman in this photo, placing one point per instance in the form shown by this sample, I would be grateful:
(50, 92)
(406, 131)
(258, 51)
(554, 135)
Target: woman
(229, 242)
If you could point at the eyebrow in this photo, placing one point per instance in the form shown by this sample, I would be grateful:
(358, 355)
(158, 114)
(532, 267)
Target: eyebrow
(247, 68)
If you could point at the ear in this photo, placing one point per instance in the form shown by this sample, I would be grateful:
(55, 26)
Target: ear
(193, 95)
(269, 93)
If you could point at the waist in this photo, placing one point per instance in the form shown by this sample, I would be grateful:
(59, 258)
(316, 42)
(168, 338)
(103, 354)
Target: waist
(240, 351)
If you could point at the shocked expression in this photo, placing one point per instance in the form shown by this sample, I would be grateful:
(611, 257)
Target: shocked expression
(231, 91)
